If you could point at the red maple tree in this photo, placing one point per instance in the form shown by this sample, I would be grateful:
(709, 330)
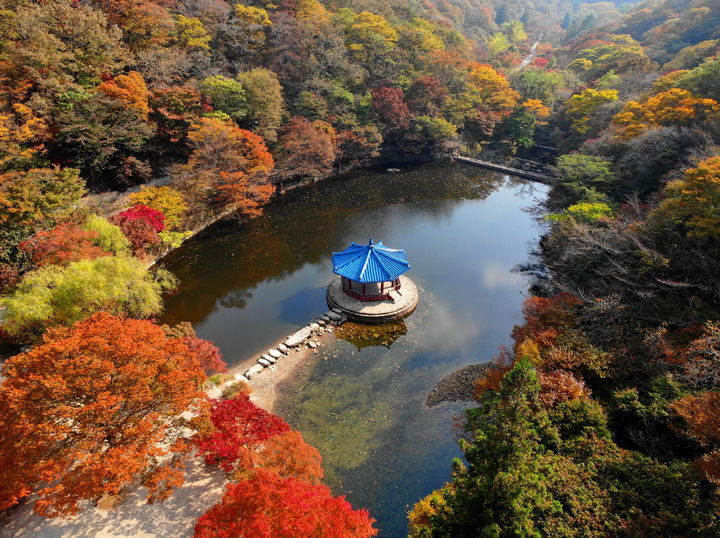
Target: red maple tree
(93, 407)
(239, 425)
(63, 244)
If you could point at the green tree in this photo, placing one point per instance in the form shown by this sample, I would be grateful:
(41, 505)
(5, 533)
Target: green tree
(265, 102)
(514, 485)
(109, 237)
(103, 137)
(227, 95)
(582, 178)
(120, 285)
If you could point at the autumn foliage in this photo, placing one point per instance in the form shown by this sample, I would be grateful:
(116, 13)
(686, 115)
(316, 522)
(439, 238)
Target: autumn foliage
(90, 409)
(694, 200)
(268, 506)
(702, 415)
(229, 167)
(238, 424)
(130, 90)
(62, 244)
(672, 107)
(153, 217)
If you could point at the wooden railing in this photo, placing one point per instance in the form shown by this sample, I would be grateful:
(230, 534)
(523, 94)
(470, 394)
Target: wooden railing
(395, 285)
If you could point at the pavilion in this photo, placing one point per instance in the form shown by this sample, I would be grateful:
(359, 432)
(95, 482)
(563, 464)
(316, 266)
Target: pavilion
(370, 272)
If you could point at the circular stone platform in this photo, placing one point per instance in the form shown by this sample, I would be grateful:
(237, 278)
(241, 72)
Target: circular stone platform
(375, 311)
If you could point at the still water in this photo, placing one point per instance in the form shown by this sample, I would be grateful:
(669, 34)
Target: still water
(360, 401)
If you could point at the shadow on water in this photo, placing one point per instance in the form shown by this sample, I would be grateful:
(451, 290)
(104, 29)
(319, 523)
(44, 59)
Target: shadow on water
(362, 401)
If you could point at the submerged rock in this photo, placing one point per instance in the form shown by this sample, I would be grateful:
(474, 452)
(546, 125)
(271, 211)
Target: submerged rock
(457, 386)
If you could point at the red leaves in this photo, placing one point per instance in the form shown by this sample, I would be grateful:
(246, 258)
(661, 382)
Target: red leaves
(62, 245)
(287, 455)
(560, 386)
(140, 211)
(239, 423)
(207, 353)
(141, 225)
(389, 103)
(267, 505)
(89, 408)
(545, 318)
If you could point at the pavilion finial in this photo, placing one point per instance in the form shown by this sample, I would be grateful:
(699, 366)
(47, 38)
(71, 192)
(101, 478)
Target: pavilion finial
(370, 243)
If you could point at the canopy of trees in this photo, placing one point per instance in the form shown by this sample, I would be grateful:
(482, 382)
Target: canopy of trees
(93, 407)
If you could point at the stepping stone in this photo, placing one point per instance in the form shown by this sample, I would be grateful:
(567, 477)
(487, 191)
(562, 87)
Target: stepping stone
(314, 326)
(275, 353)
(283, 348)
(214, 394)
(254, 370)
(264, 362)
(299, 337)
(334, 316)
(312, 345)
(269, 358)
(240, 377)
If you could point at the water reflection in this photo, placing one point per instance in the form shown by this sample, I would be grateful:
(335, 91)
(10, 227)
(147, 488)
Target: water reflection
(362, 401)
(362, 336)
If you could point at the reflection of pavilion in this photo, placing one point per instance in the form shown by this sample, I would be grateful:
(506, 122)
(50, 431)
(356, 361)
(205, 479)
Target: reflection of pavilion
(362, 336)
(371, 287)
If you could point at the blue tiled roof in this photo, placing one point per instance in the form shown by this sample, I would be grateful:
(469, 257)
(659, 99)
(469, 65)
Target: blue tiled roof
(373, 262)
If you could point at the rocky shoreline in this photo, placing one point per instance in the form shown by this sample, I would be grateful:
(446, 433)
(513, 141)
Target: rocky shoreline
(457, 386)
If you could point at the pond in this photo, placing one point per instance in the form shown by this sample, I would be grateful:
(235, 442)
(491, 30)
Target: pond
(360, 401)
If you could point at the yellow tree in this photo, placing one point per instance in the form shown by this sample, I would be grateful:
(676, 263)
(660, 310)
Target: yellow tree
(672, 107)
(580, 107)
(22, 134)
(191, 34)
(167, 200)
(694, 200)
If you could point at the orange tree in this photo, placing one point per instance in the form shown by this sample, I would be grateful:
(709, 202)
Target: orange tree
(267, 505)
(229, 166)
(702, 415)
(93, 407)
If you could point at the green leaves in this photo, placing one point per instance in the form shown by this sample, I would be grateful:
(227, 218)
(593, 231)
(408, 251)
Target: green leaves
(62, 295)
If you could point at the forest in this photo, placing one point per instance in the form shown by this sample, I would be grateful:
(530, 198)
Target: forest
(128, 125)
